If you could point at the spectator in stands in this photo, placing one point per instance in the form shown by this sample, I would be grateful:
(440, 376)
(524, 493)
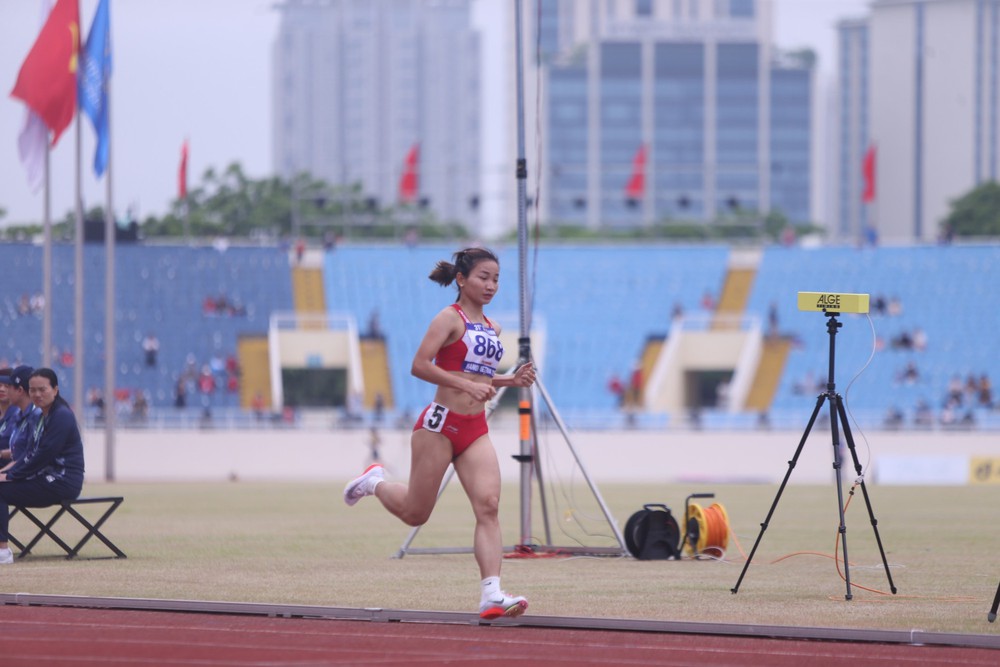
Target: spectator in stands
(707, 301)
(95, 399)
(910, 374)
(180, 394)
(151, 348)
(893, 418)
(617, 389)
(140, 407)
(206, 381)
(807, 384)
(232, 365)
(903, 341)
(22, 424)
(374, 326)
(772, 320)
(923, 416)
(634, 398)
(971, 389)
(985, 391)
(677, 312)
(217, 364)
(895, 307)
(51, 469)
(955, 388)
(374, 442)
(879, 306)
(459, 354)
(257, 405)
(208, 305)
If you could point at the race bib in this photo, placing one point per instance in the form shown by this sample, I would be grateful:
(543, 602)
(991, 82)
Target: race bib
(434, 417)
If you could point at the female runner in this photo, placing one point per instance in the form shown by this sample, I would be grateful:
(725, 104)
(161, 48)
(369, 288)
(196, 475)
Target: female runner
(459, 353)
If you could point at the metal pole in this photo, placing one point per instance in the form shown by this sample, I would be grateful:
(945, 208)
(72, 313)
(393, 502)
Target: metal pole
(109, 312)
(524, 393)
(78, 265)
(47, 263)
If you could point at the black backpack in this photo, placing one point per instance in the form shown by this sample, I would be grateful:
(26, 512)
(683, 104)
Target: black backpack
(652, 533)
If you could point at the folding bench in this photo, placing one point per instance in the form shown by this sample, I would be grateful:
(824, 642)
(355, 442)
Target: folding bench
(68, 507)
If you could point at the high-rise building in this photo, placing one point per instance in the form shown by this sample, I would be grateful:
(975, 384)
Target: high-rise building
(675, 110)
(933, 110)
(854, 149)
(381, 94)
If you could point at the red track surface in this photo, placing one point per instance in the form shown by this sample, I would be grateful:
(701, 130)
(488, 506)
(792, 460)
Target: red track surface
(56, 636)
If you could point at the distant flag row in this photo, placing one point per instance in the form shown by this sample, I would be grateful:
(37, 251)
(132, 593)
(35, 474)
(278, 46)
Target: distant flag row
(57, 75)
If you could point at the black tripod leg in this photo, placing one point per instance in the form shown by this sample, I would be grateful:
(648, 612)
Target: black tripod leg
(864, 492)
(774, 505)
(993, 610)
(837, 462)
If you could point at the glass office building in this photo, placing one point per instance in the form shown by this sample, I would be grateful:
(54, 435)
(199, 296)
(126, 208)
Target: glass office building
(678, 112)
(358, 85)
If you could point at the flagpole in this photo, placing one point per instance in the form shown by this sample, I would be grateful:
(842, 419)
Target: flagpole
(47, 263)
(78, 298)
(110, 414)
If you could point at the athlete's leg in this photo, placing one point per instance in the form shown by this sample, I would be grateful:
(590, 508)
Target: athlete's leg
(479, 472)
(430, 454)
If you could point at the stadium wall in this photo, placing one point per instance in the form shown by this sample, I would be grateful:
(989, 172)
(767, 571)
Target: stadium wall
(609, 456)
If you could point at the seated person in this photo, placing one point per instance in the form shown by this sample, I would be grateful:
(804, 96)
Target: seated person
(8, 413)
(22, 416)
(51, 469)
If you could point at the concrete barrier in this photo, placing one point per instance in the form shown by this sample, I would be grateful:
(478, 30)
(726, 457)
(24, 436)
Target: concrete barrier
(608, 456)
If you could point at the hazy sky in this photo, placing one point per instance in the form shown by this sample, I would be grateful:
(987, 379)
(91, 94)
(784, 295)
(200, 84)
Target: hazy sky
(201, 69)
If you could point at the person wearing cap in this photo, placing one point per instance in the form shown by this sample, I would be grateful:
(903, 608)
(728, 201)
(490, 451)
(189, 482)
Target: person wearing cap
(51, 469)
(8, 411)
(22, 414)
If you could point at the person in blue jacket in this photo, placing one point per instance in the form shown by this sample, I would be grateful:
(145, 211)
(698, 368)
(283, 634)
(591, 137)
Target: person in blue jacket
(9, 413)
(51, 469)
(20, 418)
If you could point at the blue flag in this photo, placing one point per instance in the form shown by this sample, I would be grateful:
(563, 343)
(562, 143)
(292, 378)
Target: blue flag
(94, 73)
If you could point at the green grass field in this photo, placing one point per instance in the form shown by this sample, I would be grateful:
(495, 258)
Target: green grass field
(297, 543)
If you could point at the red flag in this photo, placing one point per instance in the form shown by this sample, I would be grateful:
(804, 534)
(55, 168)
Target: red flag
(636, 187)
(868, 172)
(409, 184)
(47, 80)
(182, 174)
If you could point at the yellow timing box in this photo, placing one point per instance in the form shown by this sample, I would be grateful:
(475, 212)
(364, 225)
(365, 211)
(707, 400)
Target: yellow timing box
(834, 302)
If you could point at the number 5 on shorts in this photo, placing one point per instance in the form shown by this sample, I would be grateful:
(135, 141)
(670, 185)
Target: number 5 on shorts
(434, 417)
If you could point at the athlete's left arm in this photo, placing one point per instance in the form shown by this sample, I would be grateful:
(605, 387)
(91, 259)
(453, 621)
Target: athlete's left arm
(524, 376)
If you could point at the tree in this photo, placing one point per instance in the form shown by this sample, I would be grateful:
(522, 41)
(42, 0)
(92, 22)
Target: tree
(975, 214)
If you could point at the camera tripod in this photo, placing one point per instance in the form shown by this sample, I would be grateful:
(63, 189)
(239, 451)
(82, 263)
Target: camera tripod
(838, 417)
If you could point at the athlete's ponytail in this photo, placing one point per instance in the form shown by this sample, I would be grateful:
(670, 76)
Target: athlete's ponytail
(465, 261)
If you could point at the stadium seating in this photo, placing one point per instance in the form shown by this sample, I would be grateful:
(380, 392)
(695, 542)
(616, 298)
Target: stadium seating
(599, 306)
(945, 291)
(161, 290)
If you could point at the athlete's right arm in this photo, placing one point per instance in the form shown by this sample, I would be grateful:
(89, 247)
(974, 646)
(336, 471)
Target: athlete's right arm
(446, 327)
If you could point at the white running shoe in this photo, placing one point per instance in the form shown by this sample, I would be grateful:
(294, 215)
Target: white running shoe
(6, 556)
(364, 484)
(505, 605)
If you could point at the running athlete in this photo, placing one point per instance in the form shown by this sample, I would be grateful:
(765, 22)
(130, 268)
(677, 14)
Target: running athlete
(459, 353)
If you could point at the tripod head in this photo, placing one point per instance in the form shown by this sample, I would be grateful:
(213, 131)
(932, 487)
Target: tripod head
(832, 304)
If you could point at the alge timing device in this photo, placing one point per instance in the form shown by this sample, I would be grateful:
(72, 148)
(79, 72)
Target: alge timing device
(836, 302)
